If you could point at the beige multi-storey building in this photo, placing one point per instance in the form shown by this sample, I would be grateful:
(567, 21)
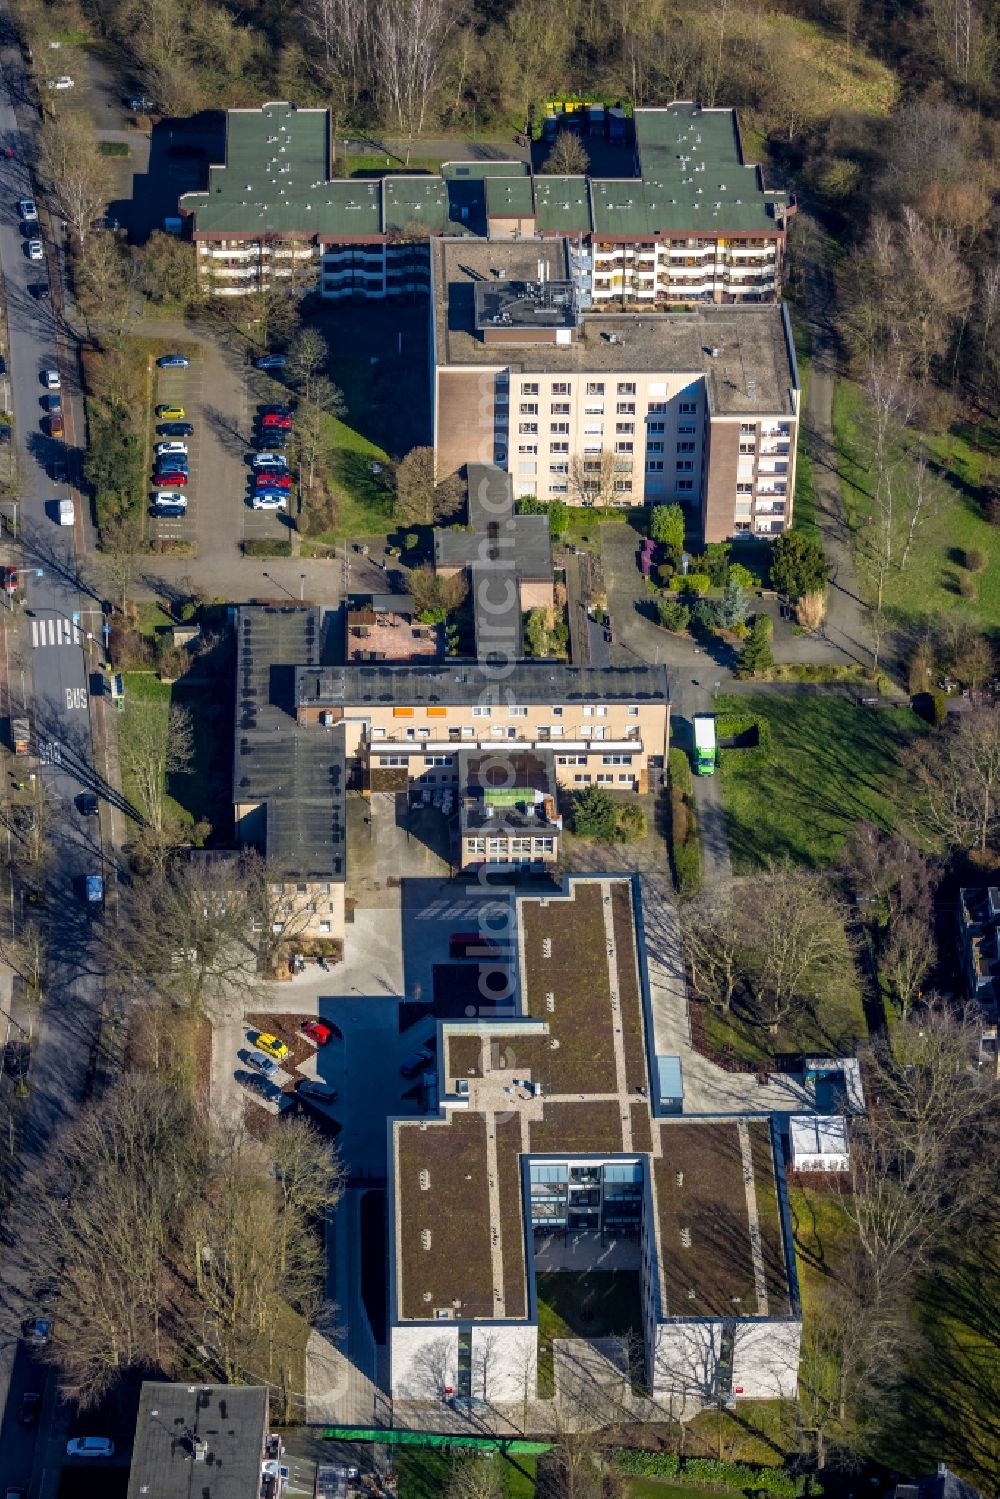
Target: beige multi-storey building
(695, 223)
(699, 407)
(405, 725)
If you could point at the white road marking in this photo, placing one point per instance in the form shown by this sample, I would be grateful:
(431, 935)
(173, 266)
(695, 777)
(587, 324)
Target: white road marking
(57, 631)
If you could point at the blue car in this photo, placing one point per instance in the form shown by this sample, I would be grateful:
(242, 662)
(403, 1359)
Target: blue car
(173, 361)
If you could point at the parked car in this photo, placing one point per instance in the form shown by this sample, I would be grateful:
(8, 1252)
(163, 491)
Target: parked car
(175, 429)
(271, 362)
(53, 402)
(140, 105)
(316, 1031)
(90, 1447)
(172, 447)
(171, 413)
(27, 1411)
(58, 470)
(66, 511)
(167, 503)
(277, 410)
(173, 463)
(39, 290)
(60, 84)
(275, 419)
(87, 804)
(274, 479)
(170, 480)
(320, 1092)
(269, 460)
(34, 249)
(93, 886)
(36, 1331)
(262, 1086)
(26, 211)
(173, 361)
(57, 427)
(269, 499)
(265, 1065)
(51, 380)
(418, 1061)
(266, 1042)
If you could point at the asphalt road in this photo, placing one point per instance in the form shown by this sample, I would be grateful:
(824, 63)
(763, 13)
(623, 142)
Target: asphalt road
(60, 664)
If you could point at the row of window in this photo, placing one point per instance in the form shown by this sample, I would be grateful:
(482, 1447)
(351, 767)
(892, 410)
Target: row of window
(514, 710)
(594, 388)
(501, 848)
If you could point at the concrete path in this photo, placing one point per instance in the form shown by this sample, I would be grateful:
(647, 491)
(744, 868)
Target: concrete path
(846, 627)
(716, 865)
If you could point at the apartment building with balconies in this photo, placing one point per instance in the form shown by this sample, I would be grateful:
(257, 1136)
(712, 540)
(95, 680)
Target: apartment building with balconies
(405, 726)
(699, 407)
(695, 223)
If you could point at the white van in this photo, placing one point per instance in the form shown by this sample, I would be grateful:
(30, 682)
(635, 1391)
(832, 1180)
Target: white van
(67, 513)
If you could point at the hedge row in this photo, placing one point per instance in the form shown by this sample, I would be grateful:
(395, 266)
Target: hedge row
(715, 1473)
(685, 850)
(734, 726)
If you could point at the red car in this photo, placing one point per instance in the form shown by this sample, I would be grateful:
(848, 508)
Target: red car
(272, 419)
(170, 481)
(316, 1031)
(274, 481)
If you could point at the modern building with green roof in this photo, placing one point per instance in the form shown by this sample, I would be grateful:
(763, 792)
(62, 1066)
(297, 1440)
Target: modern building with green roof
(694, 224)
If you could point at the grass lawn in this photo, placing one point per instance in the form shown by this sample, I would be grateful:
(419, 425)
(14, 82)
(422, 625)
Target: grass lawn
(832, 763)
(424, 1473)
(364, 503)
(930, 584)
(587, 1304)
(203, 792)
(952, 1396)
(151, 618)
(831, 1025)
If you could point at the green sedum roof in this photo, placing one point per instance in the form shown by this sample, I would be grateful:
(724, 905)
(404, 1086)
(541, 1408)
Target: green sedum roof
(276, 180)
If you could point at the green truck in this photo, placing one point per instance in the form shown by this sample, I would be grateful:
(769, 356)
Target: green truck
(705, 753)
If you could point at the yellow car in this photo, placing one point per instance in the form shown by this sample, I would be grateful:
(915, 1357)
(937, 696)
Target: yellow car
(272, 1046)
(171, 413)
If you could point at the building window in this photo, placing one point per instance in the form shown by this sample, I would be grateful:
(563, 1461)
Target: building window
(560, 408)
(749, 427)
(604, 779)
(543, 845)
(616, 759)
(581, 780)
(684, 466)
(559, 468)
(625, 408)
(744, 489)
(747, 448)
(625, 428)
(529, 389)
(683, 485)
(527, 447)
(477, 845)
(685, 429)
(655, 407)
(654, 466)
(594, 388)
(623, 486)
(626, 387)
(559, 428)
(560, 387)
(378, 733)
(654, 447)
(481, 712)
(591, 710)
(571, 759)
(653, 428)
(685, 447)
(527, 469)
(558, 447)
(528, 408)
(559, 486)
(687, 408)
(520, 845)
(528, 429)
(624, 447)
(515, 712)
(627, 777)
(392, 759)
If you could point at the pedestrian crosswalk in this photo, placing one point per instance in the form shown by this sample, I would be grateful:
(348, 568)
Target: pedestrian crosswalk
(57, 631)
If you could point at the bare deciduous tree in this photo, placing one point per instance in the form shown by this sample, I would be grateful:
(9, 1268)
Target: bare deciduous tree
(956, 780)
(151, 751)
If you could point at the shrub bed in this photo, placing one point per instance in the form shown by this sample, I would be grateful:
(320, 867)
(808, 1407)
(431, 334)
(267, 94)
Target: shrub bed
(261, 547)
(744, 726)
(713, 1472)
(685, 851)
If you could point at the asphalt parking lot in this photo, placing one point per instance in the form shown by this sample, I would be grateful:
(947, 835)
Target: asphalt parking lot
(220, 395)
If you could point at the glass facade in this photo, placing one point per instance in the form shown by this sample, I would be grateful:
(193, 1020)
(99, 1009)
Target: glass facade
(602, 1197)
